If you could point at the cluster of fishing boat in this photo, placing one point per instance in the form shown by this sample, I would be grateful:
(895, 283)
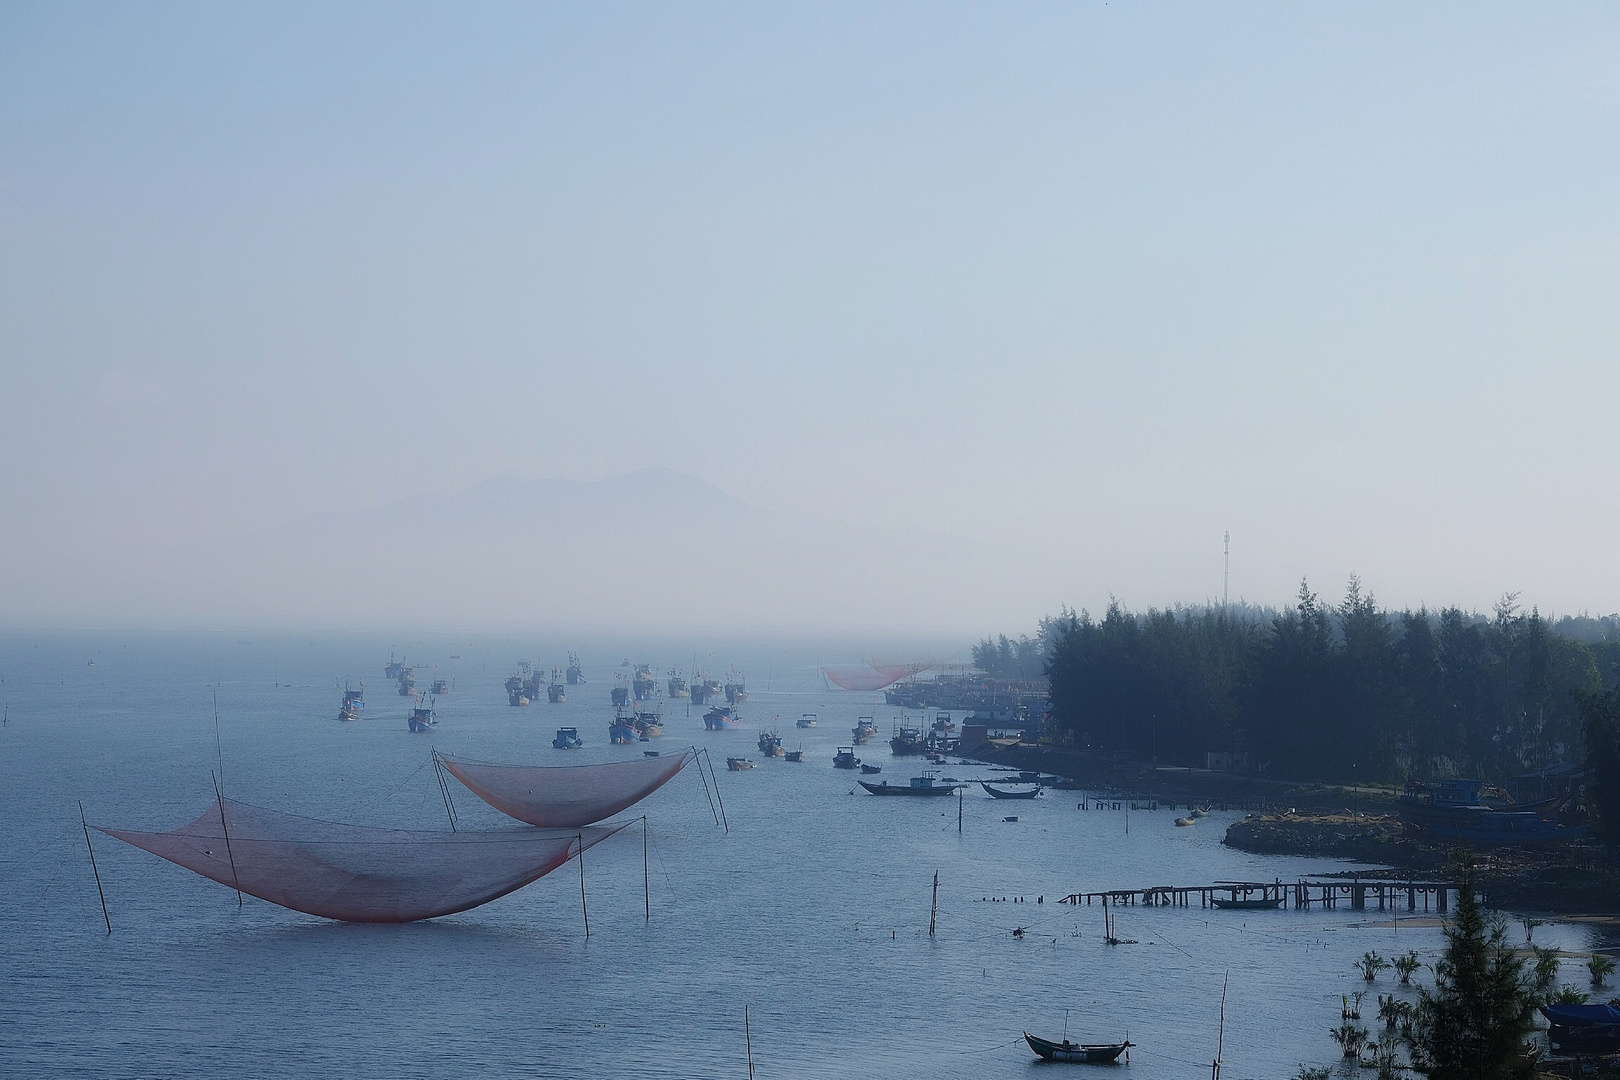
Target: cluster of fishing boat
(420, 717)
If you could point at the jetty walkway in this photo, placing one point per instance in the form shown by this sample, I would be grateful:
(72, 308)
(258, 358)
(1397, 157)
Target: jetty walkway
(1352, 893)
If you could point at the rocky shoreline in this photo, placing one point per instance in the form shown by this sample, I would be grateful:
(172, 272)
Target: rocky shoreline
(1309, 819)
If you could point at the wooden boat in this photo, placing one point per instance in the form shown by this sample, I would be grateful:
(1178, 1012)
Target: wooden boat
(770, 745)
(353, 702)
(737, 764)
(919, 785)
(1086, 1053)
(422, 720)
(1248, 904)
(567, 739)
(807, 720)
(720, 718)
(795, 755)
(1009, 794)
(870, 769)
(845, 758)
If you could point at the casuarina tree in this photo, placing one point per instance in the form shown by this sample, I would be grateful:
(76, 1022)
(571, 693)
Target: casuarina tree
(1473, 1023)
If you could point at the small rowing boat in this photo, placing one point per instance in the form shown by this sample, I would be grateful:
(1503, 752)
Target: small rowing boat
(1011, 793)
(1087, 1053)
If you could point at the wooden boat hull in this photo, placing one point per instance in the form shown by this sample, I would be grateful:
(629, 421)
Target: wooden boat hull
(906, 789)
(1082, 1053)
(1248, 905)
(999, 794)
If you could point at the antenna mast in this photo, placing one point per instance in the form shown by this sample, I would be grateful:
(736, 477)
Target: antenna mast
(1226, 572)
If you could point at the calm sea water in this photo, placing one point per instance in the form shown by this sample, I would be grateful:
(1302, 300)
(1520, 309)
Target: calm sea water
(812, 911)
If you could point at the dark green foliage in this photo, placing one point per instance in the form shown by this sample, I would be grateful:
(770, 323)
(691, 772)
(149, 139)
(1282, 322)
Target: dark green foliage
(1474, 1022)
(1346, 692)
(1600, 722)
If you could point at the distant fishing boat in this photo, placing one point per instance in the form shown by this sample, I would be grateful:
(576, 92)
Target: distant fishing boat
(677, 686)
(736, 692)
(649, 725)
(720, 718)
(555, 693)
(908, 740)
(864, 730)
(870, 769)
(516, 692)
(576, 675)
(918, 785)
(770, 745)
(1009, 793)
(621, 696)
(392, 669)
(807, 720)
(439, 687)
(703, 688)
(738, 764)
(407, 681)
(845, 758)
(422, 719)
(567, 739)
(1085, 1053)
(353, 702)
(795, 755)
(642, 683)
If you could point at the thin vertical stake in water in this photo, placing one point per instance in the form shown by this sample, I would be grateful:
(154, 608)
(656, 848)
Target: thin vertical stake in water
(749, 1042)
(646, 882)
(582, 908)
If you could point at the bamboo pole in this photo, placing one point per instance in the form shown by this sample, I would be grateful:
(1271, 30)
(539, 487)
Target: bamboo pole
(86, 826)
(583, 909)
(226, 829)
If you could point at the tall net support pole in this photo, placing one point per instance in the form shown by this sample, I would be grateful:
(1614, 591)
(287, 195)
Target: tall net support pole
(933, 908)
(86, 826)
(697, 756)
(646, 878)
(717, 798)
(226, 829)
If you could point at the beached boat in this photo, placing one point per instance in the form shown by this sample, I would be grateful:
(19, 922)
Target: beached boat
(845, 758)
(1583, 1027)
(720, 718)
(738, 764)
(1085, 1053)
(1009, 793)
(1504, 827)
(1248, 903)
(567, 739)
(918, 785)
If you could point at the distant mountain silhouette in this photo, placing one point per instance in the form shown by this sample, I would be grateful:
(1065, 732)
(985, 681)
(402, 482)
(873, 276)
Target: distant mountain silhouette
(651, 547)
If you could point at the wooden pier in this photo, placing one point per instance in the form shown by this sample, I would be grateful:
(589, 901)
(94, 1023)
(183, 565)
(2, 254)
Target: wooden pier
(1353, 893)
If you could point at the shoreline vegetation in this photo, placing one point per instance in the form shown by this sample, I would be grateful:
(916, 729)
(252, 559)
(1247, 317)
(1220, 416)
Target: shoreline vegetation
(1313, 718)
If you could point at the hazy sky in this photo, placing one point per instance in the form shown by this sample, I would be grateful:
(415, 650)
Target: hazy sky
(1089, 282)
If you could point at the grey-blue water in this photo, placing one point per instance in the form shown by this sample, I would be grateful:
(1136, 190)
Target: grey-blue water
(812, 911)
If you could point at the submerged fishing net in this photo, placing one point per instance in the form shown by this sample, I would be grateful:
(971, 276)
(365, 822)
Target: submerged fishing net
(567, 796)
(358, 874)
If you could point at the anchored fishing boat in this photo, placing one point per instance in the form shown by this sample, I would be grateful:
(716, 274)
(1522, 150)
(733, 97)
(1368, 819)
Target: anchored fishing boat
(864, 730)
(1085, 1053)
(738, 764)
(720, 718)
(870, 769)
(845, 758)
(643, 684)
(622, 732)
(353, 702)
(567, 739)
(807, 720)
(575, 675)
(392, 669)
(919, 785)
(736, 692)
(677, 686)
(795, 755)
(770, 745)
(422, 719)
